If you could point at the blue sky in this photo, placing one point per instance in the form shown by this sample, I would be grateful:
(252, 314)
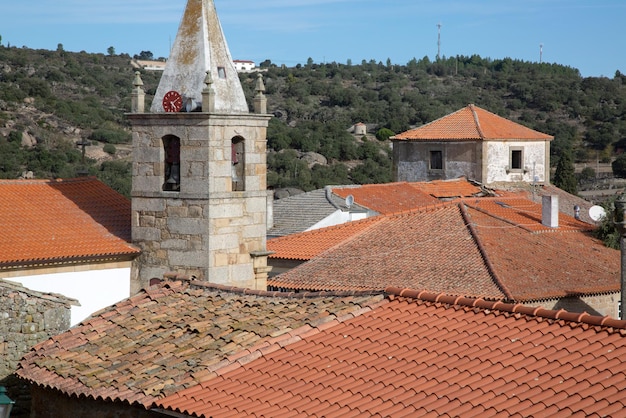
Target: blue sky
(584, 34)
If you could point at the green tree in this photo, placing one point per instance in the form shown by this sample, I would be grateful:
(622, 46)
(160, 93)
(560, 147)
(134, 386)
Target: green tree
(383, 134)
(111, 51)
(607, 230)
(564, 177)
(619, 166)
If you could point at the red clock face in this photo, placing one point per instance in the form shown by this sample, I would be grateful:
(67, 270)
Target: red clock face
(172, 101)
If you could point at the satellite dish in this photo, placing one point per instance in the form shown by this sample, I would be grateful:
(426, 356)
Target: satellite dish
(597, 213)
(349, 201)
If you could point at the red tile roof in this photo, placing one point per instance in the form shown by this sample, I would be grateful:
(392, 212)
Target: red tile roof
(172, 336)
(308, 244)
(387, 198)
(457, 248)
(45, 221)
(445, 189)
(426, 354)
(471, 124)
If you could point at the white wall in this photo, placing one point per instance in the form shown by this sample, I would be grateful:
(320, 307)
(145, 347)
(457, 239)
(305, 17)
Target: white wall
(338, 217)
(534, 155)
(94, 289)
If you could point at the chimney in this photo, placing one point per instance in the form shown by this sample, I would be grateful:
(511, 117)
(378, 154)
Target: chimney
(550, 211)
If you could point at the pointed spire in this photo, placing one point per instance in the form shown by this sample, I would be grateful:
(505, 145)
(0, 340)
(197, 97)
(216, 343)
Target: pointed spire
(138, 96)
(260, 101)
(199, 47)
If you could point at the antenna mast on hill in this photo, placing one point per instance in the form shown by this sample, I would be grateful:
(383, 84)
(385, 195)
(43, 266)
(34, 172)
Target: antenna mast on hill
(438, 41)
(540, 53)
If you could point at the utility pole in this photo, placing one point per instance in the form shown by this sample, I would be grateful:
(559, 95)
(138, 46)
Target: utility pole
(438, 41)
(540, 53)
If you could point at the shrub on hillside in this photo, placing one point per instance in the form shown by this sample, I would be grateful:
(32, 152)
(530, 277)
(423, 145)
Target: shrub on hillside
(110, 136)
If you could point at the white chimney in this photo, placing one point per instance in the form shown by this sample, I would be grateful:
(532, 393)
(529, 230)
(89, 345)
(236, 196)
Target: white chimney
(550, 211)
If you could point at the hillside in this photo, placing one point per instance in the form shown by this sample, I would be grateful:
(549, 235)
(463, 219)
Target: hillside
(52, 100)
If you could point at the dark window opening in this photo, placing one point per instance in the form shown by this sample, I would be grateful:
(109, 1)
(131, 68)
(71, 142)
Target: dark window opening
(238, 164)
(436, 160)
(516, 159)
(171, 144)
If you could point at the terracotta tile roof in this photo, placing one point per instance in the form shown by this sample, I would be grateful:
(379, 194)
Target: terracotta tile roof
(471, 124)
(172, 336)
(457, 248)
(426, 354)
(309, 244)
(409, 249)
(387, 198)
(62, 220)
(445, 189)
(544, 264)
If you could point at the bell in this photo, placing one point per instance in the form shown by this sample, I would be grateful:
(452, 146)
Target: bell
(174, 177)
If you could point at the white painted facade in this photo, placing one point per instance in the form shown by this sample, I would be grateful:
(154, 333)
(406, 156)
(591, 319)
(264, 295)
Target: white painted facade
(534, 167)
(94, 289)
(243, 66)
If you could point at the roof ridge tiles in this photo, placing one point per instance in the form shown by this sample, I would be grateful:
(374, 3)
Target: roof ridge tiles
(199, 284)
(516, 308)
(483, 253)
(476, 121)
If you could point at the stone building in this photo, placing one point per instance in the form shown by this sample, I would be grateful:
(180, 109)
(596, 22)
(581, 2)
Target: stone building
(475, 144)
(199, 165)
(27, 317)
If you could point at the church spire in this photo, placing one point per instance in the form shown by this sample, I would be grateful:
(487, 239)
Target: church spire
(200, 47)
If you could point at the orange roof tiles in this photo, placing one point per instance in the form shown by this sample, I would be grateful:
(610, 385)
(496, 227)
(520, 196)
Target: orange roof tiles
(387, 198)
(308, 244)
(471, 123)
(442, 189)
(484, 247)
(56, 220)
(174, 335)
(426, 354)
(429, 248)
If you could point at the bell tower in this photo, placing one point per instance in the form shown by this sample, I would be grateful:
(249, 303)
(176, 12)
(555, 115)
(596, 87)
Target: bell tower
(199, 198)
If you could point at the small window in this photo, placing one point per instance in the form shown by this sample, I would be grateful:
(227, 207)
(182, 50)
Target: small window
(517, 159)
(221, 72)
(436, 160)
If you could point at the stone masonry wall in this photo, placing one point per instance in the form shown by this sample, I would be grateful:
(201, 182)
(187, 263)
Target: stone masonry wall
(602, 305)
(205, 229)
(26, 318)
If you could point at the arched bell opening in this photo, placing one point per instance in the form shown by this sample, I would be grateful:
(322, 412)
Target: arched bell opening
(171, 145)
(238, 164)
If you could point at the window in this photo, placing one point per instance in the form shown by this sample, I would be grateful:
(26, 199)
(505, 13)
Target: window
(238, 164)
(516, 159)
(221, 72)
(171, 145)
(436, 160)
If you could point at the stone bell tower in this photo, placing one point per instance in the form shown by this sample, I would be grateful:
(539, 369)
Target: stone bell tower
(199, 198)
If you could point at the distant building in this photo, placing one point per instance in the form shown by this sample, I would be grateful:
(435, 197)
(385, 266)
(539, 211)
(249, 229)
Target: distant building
(148, 65)
(243, 66)
(475, 144)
